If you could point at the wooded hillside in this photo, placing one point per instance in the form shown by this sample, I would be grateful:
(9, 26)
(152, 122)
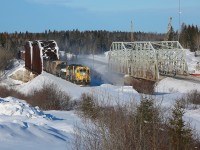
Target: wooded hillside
(86, 42)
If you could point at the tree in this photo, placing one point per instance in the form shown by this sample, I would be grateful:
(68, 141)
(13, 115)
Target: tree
(3, 39)
(5, 59)
(148, 122)
(189, 37)
(172, 35)
(180, 134)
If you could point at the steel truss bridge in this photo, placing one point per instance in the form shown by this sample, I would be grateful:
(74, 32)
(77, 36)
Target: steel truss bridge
(147, 60)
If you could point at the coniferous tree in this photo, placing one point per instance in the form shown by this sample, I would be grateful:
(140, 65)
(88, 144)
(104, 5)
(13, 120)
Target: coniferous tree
(172, 35)
(147, 120)
(180, 134)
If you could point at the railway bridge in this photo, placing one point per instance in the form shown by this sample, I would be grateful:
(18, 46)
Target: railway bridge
(36, 51)
(148, 60)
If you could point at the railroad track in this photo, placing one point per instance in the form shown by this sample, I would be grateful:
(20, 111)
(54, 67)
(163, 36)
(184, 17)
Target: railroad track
(182, 77)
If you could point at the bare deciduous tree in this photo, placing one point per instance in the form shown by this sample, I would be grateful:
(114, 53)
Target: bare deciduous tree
(5, 58)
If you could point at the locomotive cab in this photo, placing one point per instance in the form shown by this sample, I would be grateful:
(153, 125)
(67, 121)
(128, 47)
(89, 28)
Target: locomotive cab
(78, 74)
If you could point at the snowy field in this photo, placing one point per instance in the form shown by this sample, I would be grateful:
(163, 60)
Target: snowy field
(24, 127)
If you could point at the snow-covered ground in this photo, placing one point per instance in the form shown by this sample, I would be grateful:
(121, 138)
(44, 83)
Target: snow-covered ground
(192, 61)
(24, 127)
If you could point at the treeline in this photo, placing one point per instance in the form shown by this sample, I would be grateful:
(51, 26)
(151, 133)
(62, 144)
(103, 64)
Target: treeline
(87, 42)
(190, 37)
(75, 41)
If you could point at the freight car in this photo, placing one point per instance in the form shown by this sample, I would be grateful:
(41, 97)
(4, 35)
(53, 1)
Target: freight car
(54, 67)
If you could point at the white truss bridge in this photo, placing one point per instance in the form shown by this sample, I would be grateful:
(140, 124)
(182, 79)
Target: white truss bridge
(147, 60)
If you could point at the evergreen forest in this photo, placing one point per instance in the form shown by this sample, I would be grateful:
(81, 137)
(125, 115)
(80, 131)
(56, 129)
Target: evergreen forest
(96, 42)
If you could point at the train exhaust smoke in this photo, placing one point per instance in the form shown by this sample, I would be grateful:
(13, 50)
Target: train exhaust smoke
(100, 73)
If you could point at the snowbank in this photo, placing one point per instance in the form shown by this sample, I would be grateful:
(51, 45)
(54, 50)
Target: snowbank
(14, 107)
(24, 127)
(171, 85)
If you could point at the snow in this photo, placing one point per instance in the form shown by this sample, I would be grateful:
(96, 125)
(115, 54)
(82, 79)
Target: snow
(192, 61)
(193, 117)
(56, 48)
(170, 85)
(46, 78)
(101, 58)
(25, 127)
(13, 107)
(70, 56)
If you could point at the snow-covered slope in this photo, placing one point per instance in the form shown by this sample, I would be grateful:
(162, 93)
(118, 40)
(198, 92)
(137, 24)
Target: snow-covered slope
(49, 79)
(74, 90)
(24, 127)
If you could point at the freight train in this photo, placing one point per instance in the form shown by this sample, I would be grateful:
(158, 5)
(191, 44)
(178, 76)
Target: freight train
(43, 55)
(74, 73)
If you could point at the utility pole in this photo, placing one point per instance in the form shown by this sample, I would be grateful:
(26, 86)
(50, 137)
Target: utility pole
(179, 30)
(132, 38)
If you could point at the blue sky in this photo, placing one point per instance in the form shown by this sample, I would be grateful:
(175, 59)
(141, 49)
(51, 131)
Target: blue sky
(111, 15)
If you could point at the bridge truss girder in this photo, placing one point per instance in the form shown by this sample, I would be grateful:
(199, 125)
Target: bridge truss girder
(147, 60)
